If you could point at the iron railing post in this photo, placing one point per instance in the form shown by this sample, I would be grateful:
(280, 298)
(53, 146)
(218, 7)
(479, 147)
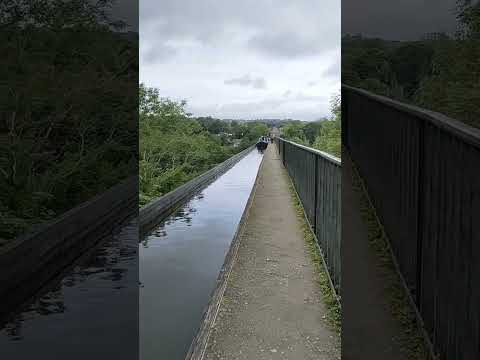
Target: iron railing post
(420, 209)
(315, 196)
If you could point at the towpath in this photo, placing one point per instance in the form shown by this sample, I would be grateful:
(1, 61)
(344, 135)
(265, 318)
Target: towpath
(272, 307)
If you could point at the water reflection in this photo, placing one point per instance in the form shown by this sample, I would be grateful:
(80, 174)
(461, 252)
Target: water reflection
(184, 215)
(180, 261)
(86, 311)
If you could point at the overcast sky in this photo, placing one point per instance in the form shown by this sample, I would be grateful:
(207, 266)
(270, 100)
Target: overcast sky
(243, 59)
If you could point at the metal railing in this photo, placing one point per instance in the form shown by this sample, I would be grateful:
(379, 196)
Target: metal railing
(422, 171)
(316, 176)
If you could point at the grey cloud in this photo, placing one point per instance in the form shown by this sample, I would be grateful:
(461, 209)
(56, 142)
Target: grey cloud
(243, 80)
(333, 70)
(252, 106)
(276, 107)
(272, 103)
(259, 83)
(289, 44)
(270, 108)
(159, 53)
(301, 96)
(203, 21)
(289, 30)
(311, 83)
(247, 80)
(191, 33)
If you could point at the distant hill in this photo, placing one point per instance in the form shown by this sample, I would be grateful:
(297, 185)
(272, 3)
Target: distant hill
(269, 122)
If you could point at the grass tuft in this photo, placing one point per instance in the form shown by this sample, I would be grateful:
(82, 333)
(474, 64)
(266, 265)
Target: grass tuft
(334, 317)
(411, 340)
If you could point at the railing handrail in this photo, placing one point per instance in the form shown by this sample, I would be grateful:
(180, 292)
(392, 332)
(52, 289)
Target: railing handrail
(412, 174)
(323, 154)
(31, 260)
(461, 130)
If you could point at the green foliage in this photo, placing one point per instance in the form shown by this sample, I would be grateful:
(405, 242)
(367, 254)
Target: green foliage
(438, 73)
(251, 132)
(329, 297)
(294, 131)
(329, 135)
(58, 14)
(175, 147)
(468, 15)
(329, 138)
(68, 126)
(386, 68)
(311, 130)
(452, 86)
(214, 126)
(324, 135)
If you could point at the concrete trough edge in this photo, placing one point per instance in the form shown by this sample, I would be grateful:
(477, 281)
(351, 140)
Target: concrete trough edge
(200, 342)
(31, 260)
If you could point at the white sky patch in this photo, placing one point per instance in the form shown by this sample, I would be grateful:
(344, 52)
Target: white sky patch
(233, 62)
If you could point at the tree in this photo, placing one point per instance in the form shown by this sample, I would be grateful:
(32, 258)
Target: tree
(57, 14)
(329, 138)
(329, 135)
(68, 129)
(293, 131)
(174, 147)
(468, 16)
(311, 130)
(439, 73)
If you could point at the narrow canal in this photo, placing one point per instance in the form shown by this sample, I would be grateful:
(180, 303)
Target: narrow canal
(87, 312)
(182, 257)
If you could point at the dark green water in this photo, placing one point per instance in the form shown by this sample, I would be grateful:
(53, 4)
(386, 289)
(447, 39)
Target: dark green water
(91, 311)
(88, 313)
(181, 259)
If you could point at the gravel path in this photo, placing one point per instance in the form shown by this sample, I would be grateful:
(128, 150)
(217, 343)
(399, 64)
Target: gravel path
(272, 307)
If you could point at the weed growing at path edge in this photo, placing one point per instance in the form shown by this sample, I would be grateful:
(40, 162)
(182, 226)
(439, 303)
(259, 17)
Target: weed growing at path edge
(334, 316)
(411, 340)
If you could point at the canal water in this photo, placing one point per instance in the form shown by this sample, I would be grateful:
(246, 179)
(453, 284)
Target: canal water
(181, 259)
(88, 313)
